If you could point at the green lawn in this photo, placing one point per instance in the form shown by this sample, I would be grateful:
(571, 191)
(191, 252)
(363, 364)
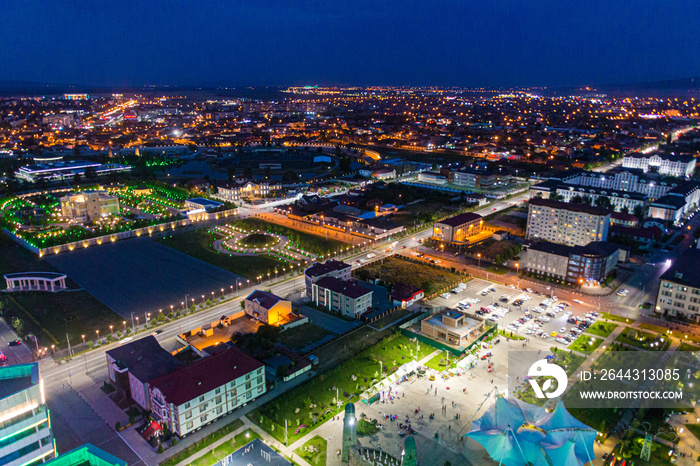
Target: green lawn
(602, 329)
(694, 429)
(686, 347)
(205, 442)
(509, 334)
(497, 270)
(607, 315)
(313, 402)
(198, 244)
(439, 362)
(50, 316)
(303, 335)
(643, 340)
(397, 270)
(226, 448)
(653, 328)
(366, 428)
(308, 242)
(314, 451)
(258, 240)
(585, 344)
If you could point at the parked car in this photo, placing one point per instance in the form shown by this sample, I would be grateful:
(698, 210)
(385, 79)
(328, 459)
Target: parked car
(15, 342)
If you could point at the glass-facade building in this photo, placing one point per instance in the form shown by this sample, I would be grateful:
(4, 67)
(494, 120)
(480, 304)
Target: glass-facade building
(25, 425)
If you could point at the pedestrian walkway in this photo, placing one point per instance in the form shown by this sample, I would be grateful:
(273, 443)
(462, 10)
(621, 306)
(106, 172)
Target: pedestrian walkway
(267, 438)
(214, 445)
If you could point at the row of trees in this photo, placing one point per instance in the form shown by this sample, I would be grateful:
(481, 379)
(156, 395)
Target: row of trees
(602, 201)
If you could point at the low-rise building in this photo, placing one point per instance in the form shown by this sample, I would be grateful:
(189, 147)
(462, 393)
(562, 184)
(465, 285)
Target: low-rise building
(267, 307)
(25, 427)
(406, 295)
(201, 204)
(132, 366)
(384, 174)
(344, 297)
(563, 223)
(241, 188)
(67, 170)
(330, 268)
(89, 205)
(679, 288)
(189, 398)
(86, 455)
(453, 327)
(459, 228)
(432, 177)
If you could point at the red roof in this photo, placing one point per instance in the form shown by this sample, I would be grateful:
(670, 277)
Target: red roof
(204, 375)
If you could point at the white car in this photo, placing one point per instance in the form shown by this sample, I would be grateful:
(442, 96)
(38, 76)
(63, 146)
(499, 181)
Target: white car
(577, 301)
(562, 330)
(566, 314)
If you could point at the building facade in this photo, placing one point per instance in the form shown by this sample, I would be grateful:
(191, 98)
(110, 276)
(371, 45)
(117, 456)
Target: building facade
(330, 268)
(569, 224)
(208, 389)
(25, 427)
(664, 164)
(89, 205)
(679, 288)
(458, 228)
(343, 297)
(267, 307)
(243, 188)
(592, 263)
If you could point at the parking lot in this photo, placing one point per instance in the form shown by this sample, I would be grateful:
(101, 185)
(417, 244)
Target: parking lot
(548, 317)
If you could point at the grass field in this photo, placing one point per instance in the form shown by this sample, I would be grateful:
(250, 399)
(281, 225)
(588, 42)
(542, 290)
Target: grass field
(686, 347)
(606, 315)
(198, 244)
(314, 451)
(303, 335)
(396, 270)
(643, 340)
(602, 329)
(205, 442)
(439, 362)
(653, 328)
(307, 242)
(585, 344)
(313, 402)
(50, 316)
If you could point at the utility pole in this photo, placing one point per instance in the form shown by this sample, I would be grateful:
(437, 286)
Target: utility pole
(70, 353)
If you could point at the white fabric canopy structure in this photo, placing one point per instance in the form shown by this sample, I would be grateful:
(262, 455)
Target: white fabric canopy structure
(516, 433)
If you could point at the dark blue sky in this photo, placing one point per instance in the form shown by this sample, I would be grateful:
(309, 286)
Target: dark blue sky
(405, 42)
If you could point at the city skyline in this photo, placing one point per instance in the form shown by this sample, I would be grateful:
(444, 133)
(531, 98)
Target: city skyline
(463, 44)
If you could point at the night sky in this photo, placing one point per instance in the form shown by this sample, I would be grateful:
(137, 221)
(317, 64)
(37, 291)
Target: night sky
(358, 42)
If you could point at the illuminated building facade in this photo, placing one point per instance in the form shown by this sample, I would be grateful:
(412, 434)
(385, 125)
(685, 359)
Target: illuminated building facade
(458, 228)
(89, 205)
(25, 426)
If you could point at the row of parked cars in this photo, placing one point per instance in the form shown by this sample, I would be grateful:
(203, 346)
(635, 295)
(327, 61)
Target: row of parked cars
(582, 325)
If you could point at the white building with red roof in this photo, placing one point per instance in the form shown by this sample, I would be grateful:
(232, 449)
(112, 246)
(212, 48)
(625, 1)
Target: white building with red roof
(191, 397)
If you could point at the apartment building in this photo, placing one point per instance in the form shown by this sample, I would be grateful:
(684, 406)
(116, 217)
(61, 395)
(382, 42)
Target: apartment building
(679, 288)
(330, 268)
(569, 224)
(458, 228)
(25, 427)
(591, 263)
(346, 298)
(664, 164)
(89, 205)
(191, 397)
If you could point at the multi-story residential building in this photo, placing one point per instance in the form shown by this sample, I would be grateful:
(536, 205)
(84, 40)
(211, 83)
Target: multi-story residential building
(330, 268)
(470, 178)
(679, 288)
(25, 427)
(575, 264)
(678, 202)
(267, 307)
(432, 177)
(459, 228)
(664, 164)
(191, 397)
(241, 188)
(132, 366)
(89, 205)
(570, 224)
(346, 298)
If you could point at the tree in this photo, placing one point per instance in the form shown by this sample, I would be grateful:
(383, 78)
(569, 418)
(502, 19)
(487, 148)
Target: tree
(625, 210)
(90, 173)
(554, 196)
(577, 199)
(639, 212)
(76, 179)
(604, 202)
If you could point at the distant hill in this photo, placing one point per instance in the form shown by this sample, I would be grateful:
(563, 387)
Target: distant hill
(667, 88)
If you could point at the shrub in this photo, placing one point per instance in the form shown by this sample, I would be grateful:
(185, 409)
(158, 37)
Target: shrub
(119, 334)
(128, 331)
(160, 448)
(117, 425)
(89, 343)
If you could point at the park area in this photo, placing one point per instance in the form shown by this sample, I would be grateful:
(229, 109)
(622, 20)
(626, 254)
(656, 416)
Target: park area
(304, 241)
(312, 403)
(199, 244)
(50, 316)
(395, 269)
(602, 329)
(643, 340)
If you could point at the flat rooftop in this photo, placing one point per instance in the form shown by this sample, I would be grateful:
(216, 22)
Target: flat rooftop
(469, 324)
(17, 377)
(219, 336)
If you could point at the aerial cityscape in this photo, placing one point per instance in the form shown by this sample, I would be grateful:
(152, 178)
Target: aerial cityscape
(298, 249)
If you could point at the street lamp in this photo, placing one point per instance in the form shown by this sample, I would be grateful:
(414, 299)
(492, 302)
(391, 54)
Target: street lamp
(478, 255)
(83, 337)
(124, 322)
(517, 272)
